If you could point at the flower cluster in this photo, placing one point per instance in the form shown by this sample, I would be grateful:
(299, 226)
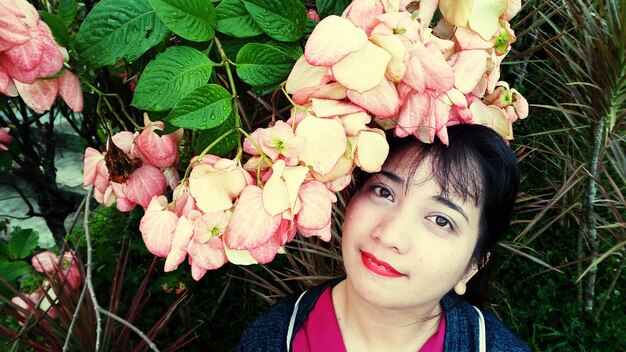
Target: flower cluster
(417, 80)
(29, 53)
(134, 168)
(67, 272)
(380, 63)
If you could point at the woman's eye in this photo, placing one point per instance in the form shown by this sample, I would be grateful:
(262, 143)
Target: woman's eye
(441, 221)
(382, 192)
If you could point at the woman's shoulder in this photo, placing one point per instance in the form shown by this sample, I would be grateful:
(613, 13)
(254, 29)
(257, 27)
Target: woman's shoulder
(500, 337)
(463, 329)
(269, 331)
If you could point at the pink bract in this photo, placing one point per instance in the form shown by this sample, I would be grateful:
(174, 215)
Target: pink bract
(5, 138)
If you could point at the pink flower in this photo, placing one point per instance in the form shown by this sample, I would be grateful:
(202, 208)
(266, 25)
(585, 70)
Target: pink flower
(216, 183)
(158, 226)
(5, 138)
(28, 52)
(160, 151)
(45, 262)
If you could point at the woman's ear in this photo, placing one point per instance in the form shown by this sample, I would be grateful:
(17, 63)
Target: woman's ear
(472, 269)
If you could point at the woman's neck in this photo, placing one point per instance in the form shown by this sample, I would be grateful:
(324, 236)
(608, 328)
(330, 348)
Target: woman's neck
(366, 327)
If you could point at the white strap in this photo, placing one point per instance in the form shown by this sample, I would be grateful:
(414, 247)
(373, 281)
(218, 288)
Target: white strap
(292, 321)
(482, 339)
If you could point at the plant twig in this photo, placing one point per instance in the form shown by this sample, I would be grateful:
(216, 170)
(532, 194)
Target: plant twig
(89, 283)
(83, 293)
(130, 326)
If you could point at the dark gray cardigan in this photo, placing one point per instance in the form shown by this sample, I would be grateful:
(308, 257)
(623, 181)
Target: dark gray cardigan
(268, 333)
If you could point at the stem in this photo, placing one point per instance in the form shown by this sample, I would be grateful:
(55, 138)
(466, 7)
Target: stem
(130, 326)
(119, 100)
(233, 89)
(589, 221)
(89, 283)
(231, 81)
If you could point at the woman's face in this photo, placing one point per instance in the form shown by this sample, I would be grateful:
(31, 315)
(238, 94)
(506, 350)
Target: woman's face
(405, 246)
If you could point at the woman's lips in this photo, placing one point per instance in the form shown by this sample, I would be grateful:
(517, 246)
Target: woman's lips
(377, 266)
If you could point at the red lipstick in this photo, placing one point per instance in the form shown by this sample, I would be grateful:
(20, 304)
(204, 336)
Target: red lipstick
(378, 267)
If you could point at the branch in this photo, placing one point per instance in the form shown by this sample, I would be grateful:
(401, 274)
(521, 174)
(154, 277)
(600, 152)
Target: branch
(31, 209)
(89, 284)
(130, 326)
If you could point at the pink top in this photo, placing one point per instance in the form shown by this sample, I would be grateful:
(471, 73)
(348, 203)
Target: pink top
(320, 331)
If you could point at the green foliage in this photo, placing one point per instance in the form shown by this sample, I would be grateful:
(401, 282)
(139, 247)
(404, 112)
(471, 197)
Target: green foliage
(172, 75)
(193, 20)
(223, 147)
(67, 11)
(283, 20)
(57, 26)
(10, 271)
(205, 107)
(22, 242)
(233, 19)
(331, 7)
(263, 64)
(118, 29)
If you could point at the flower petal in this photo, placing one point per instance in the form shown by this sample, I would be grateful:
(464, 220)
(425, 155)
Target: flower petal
(485, 17)
(239, 257)
(40, 95)
(316, 207)
(304, 75)
(209, 255)
(157, 228)
(394, 46)
(325, 142)
(469, 67)
(371, 150)
(70, 91)
(45, 262)
(180, 240)
(251, 225)
(331, 107)
(332, 40)
(215, 189)
(362, 70)
(381, 101)
(145, 183)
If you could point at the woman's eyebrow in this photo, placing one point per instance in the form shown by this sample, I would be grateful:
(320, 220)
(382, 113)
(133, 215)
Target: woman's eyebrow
(450, 204)
(393, 177)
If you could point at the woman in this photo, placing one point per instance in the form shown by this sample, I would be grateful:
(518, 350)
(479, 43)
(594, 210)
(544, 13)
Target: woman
(417, 243)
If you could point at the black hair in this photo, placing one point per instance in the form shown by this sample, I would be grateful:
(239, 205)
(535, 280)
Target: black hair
(477, 165)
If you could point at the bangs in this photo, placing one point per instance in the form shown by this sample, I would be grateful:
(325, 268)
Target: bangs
(454, 169)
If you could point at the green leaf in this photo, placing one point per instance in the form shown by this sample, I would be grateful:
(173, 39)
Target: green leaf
(223, 147)
(262, 64)
(22, 242)
(331, 7)
(293, 50)
(205, 107)
(6, 163)
(67, 11)
(13, 270)
(283, 20)
(310, 26)
(4, 251)
(193, 20)
(172, 75)
(118, 28)
(58, 28)
(233, 19)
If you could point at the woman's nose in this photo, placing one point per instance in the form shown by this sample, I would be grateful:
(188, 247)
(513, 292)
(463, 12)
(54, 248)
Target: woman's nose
(393, 231)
